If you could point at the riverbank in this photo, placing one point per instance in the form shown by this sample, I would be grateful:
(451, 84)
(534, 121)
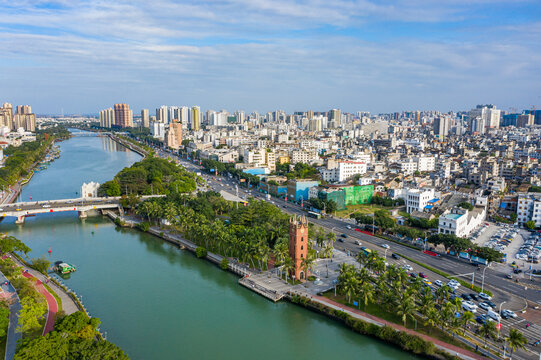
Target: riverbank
(417, 343)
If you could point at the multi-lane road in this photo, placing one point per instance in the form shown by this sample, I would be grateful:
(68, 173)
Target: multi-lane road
(494, 280)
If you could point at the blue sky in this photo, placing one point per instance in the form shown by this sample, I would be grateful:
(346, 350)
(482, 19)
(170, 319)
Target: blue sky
(367, 55)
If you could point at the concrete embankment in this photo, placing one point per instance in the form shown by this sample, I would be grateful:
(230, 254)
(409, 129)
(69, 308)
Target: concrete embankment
(236, 268)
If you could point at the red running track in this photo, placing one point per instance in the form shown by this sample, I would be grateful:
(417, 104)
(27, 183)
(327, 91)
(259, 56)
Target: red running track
(51, 303)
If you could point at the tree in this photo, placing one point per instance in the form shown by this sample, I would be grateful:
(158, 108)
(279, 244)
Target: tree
(488, 330)
(406, 307)
(11, 243)
(200, 252)
(466, 205)
(224, 264)
(4, 319)
(41, 264)
(530, 225)
(366, 291)
(30, 314)
(516, 340)
(467, 318)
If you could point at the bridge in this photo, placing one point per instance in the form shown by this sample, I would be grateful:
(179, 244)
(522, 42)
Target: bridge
(83, 206)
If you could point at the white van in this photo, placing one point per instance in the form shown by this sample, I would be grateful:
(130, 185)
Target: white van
(494, 315)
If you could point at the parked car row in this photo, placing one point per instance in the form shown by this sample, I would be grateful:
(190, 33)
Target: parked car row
(530, 250)
(502, 239)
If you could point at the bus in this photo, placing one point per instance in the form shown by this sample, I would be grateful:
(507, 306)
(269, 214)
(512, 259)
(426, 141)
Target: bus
(314, 215)
(366, 251)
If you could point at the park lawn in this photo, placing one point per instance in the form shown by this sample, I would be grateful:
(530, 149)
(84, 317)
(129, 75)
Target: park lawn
(378, 311)
(364, 209)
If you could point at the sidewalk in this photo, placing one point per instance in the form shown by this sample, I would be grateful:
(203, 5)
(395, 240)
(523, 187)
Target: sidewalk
(12, 336)
(68, 305)
(451, 349)
(51, 303)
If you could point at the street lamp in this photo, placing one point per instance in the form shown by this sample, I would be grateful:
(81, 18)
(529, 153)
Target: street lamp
(500, 317)
(483, 281)
(385, 254)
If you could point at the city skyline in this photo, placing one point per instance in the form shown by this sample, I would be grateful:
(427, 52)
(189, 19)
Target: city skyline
(77, 57)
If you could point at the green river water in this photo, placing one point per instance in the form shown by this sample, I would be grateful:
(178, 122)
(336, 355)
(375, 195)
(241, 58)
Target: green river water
(158, 302)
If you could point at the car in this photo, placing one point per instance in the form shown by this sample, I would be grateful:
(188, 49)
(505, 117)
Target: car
(413, 275)
(509, 276)
(340, 239)
(483, 305)
(508, 313)
(357, 242)
(422, 275)
(348, 226)
(517, 271)
(494, 315)
(395, 256)
(483, 319)
(473, 296)
(407, 267)
(17, 209)
(491, 304)
(466, 297)
(469, 306)
(344, 236)
(427, 282)
(385, 246)
(484, 296)
(46, 206)
(438, 283)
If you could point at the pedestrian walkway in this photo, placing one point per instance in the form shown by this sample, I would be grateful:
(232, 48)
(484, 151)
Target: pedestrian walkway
(15, 306)
(68, 304)
(462, 353)
(51, 303)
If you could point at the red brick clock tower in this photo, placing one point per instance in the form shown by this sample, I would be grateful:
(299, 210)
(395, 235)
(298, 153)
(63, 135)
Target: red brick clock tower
(298, 244)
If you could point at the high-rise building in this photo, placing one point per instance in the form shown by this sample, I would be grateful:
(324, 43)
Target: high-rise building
(310, 114)
(240, 115)
(525, 120)
(441, 126)
(107, 118)
(162, 114)
(484, 117)
(335, 118)
(6, 115)
(123, 115)
(25, 121)
(145, 121)
(23, 109)
(173, 135)
(195, 118)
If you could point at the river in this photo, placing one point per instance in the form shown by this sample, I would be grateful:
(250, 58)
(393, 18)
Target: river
(158, 302)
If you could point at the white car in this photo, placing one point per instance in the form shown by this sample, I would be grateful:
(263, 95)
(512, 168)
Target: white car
(485, 306)
(46, 206)
(469, 306)
(484, 296)
(407, 267)
(494, 315)
(385, 246)
(438, 283)
(357, 242)
(348, 226)
(509, 313)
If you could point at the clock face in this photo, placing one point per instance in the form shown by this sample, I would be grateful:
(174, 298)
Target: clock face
(302, 231)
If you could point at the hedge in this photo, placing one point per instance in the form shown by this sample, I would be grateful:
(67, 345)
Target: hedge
(401, 339)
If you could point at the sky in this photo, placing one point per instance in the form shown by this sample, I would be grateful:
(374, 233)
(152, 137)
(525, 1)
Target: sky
(81, 56)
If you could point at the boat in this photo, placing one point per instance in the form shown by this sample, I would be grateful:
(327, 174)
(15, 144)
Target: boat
(64, 268)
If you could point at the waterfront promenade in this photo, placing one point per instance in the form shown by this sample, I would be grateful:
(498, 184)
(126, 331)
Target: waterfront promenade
(52, 305)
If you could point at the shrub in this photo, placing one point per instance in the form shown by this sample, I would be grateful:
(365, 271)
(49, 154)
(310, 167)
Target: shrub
(224, 264)
(144, 226)
(200, 252)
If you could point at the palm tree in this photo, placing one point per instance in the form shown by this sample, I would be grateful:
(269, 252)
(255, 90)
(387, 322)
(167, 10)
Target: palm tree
(349, 287)
(406, 307)
(170, 212)
(426, 302)
(433, 317)
(442, 294)
(488, 330)
(516, 340)
(289, 265)
(366, 291)
(467, 318)
(447, 314)
(307, 264)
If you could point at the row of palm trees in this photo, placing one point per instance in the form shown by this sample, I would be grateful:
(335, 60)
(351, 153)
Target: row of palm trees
(396, 292)
(247, 243)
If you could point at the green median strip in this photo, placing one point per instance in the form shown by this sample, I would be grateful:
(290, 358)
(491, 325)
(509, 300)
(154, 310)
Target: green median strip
(448, 276)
